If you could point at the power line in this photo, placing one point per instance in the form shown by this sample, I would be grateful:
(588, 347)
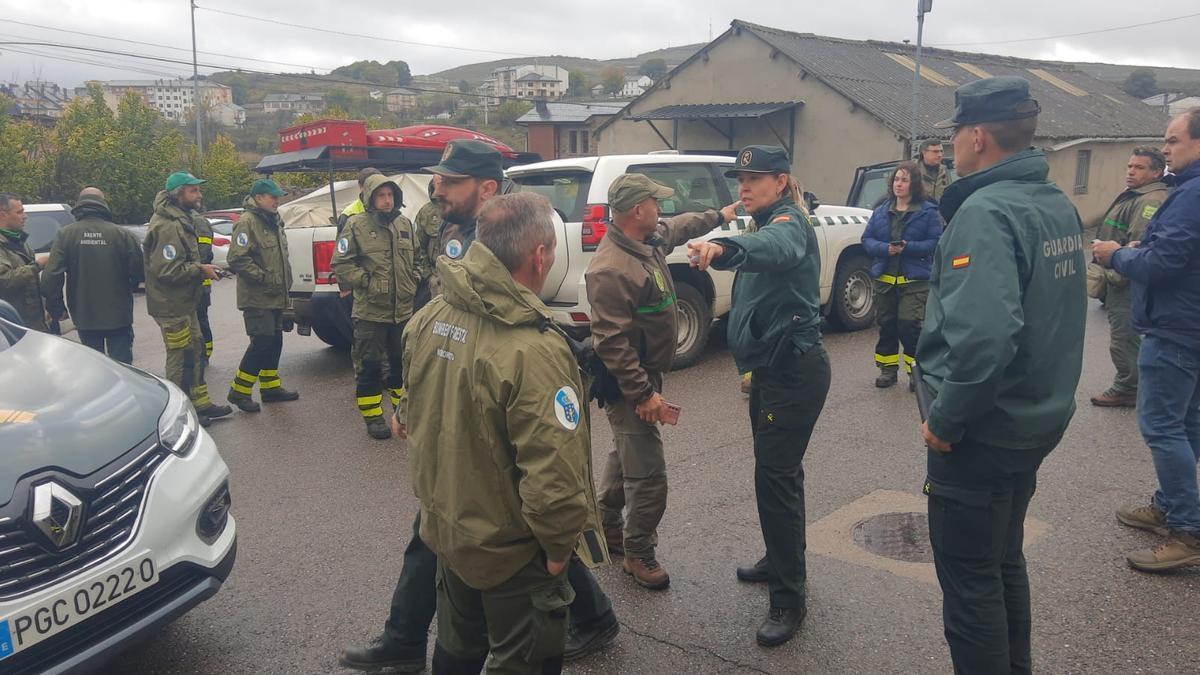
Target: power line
(324, 79)
(161, 46)
(1064, 35)
(360, 35)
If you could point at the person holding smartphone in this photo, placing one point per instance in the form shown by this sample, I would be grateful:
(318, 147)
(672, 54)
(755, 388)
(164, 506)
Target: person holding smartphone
(632, 297)
(901, 237)
(775, 332)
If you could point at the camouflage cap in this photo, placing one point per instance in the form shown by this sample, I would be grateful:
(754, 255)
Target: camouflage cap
(630, 189)
(761, 159)
(470, 158)
(993, 99)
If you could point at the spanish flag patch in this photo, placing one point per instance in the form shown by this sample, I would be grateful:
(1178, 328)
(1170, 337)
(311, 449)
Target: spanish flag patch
(776, 219)
(960, 261)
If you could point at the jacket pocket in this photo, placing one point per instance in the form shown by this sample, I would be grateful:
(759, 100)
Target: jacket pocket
(960, 521)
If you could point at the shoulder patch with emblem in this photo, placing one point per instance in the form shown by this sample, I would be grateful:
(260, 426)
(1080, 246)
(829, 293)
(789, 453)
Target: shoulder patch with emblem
(777, 219)
(343, 245)
(242, 239)
(454, 249)
(169, 252)
(1148, 211)
(566, 408)
(960, 261)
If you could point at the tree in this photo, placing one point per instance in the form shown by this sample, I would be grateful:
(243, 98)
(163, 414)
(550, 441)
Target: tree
(228, 177)
(613, 80)
(392, 73)
(578, 83)
(467, 117)
(240, 87)
(509, 111)
(23, 155)
(1141, 83)
(464, 86)
(653, 69)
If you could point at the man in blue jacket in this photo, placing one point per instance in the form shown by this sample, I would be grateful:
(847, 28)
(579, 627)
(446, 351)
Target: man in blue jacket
(1165, 270)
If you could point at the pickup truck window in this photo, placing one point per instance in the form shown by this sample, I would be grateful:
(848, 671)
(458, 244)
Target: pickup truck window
(566, 190)
(695, 189)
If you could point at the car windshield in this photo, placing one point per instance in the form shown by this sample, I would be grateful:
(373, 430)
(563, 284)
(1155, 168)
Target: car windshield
(566, 190)
(43, 226)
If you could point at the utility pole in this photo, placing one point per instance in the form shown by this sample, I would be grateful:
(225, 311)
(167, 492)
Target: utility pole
(923, 7)
(196, 88)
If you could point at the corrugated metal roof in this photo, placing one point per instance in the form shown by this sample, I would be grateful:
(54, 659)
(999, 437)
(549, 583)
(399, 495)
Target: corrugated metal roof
(876, 77)
(700, 111)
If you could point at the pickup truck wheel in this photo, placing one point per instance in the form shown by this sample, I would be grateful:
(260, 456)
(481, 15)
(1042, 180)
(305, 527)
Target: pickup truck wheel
(332, 337)
(853, 297)
(694, 322)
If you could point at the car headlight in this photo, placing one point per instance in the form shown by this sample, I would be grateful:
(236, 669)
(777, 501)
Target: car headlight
(178, 426)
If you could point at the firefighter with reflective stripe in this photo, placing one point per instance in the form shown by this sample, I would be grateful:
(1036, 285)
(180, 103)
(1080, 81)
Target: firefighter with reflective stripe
(258, 255)
(632, 296)
(355, 207)
(174, 272)
(204, 238)
(901, 236)
(1126, 221)
(376, 259)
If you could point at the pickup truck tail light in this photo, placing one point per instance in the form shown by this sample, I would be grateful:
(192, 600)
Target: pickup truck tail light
(220, 241)
(322, 270)
(595, 226)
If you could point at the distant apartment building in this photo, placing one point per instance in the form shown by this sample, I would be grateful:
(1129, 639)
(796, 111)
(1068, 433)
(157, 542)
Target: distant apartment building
(172, 98)
(636, 86)
(529, 82)
(228, 114)
(400, 99)
(37, 101)
(297, 103)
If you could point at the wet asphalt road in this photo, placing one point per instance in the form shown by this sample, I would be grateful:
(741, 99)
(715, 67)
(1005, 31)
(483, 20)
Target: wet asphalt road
(323, 514)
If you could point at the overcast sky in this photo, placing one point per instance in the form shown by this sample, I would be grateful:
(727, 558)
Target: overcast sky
(609, 29)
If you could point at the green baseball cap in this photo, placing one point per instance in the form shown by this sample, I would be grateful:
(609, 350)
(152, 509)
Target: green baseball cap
(181, 178)
(470, 159)
(266, 186)
(761, 159)
(993, 99)
(630, 189)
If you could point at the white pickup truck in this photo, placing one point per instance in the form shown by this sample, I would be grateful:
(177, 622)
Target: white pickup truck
(578, 189)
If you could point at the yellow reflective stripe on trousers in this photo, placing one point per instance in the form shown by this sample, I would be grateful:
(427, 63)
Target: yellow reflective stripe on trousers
(268, 379)
(200, 396)
(887, 360)
(895, 281)
(909, 362)
(207, 282)
(178, 339)
(241, 388)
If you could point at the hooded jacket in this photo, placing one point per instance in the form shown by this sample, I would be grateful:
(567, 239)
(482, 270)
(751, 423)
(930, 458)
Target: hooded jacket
(101, 264)
(375, 258)
(921, 230)
(19, 278)
(258, 254)
(1165, 268)
(498, 428)
(174, 277)
(1002, 343)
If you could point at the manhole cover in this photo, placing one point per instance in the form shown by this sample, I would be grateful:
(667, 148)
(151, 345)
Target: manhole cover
(899, 536)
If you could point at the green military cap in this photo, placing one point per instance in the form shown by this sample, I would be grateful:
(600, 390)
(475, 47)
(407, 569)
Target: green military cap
(993, 99)
(470, 159)
(181, 178)
(266, 186)
(761, 159)
(630, 189)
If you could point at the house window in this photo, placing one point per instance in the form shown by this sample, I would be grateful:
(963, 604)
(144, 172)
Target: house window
(1083, 165)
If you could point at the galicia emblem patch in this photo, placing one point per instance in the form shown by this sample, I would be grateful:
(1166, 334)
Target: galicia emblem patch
(566, 408)
(242, 239)
(454, 249)
(169, 252)
(343, 245)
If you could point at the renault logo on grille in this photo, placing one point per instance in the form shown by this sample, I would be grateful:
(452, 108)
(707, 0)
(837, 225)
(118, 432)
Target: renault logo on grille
(57, 513)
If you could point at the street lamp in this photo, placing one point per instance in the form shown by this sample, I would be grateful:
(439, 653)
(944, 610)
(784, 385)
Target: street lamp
(923, 7)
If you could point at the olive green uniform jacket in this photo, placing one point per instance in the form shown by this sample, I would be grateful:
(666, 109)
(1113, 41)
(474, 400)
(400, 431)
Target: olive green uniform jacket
(1126, 220)
(498, 435)
(1002, 343)
(376, 259)
(174, 277)
(101, 265)
(632, 296)
(258, 254)
(428, 227)
(19, 279)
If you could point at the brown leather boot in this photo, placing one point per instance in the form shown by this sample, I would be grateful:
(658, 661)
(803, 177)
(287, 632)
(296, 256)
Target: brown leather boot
(647, 572)
(1114, 399)
(1147, 517)
(1179, 550)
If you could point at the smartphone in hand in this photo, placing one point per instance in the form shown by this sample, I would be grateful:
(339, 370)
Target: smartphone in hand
(671, 413)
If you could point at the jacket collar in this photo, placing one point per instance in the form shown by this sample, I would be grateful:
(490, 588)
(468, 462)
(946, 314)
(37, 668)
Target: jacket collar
(1175, 180)
(14, 237)
(1025, 166)
(638, 248)
(763, 216)
(1152, 186)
